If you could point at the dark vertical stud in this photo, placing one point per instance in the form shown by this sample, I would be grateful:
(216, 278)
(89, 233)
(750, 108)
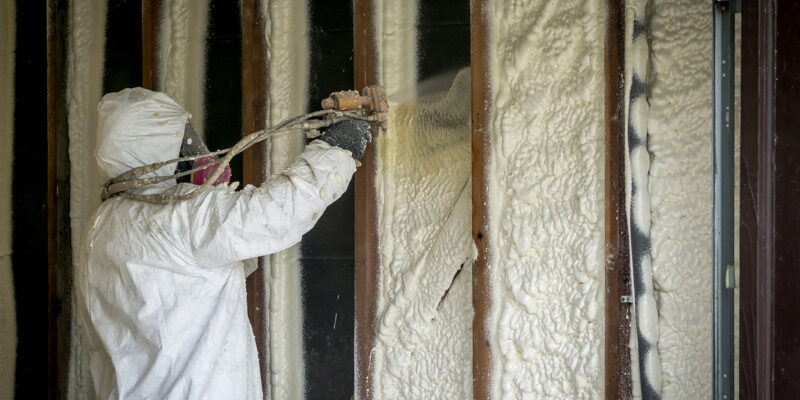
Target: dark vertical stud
(366, 237)
(151, 15)
(59, 245)
(254, 108)
(481, 149)
(617, 267)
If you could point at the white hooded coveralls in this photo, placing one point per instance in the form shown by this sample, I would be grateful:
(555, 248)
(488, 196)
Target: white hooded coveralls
(160, 289)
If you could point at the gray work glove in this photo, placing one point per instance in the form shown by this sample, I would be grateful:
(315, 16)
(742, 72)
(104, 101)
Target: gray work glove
(352, 135)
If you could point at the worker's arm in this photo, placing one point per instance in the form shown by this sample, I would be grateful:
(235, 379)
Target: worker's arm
(228, 227)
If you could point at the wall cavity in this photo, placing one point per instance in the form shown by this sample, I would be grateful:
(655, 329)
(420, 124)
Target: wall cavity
(396, 40)
(679, 127)
(8, 319)
(646, 360)
(286, 32)
(85, 48)
(672, 162)
(182, 55)
(546, 198)
(423, 333)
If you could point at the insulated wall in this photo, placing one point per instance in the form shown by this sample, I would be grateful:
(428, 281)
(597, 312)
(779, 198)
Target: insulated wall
(546, 198)
(85, 45)
(679, 129)
(286, 31)
(182, 55)
(422, 189)
(424, 338)
(85, 56)
(670, 142)
(645, 360)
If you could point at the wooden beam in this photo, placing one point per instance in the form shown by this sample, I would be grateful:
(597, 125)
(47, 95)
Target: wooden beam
(151, 17)
(254, 108)
(617, 268)
(481, 151)
(366, 228)
(770, 187)
(59, 245)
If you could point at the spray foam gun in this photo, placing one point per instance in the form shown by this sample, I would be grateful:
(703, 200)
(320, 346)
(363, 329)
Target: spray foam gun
(369, 105)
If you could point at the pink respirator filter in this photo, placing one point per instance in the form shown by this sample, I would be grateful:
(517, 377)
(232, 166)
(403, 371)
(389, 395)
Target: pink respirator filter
(202, 176)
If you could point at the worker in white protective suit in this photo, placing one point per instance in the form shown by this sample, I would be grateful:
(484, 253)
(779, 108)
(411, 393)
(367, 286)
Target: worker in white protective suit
(160, 289)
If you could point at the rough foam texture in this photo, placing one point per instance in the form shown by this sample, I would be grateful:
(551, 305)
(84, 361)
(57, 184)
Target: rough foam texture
(85, 46)
(8, 319)
(547, 198)
(679, 126)
(647, 361)
(424, 329)
(182, 55)
(286, 33)
(397, 57)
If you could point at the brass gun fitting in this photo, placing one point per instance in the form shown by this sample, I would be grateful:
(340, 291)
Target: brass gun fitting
(372, 100)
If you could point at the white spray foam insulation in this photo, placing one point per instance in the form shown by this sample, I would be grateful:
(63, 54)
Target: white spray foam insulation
(85, 52)
(8, 318)
(546, 198)
(396, 41)
(286, 34)
(85, 56)
(424, 330)
(679, 127)
(396, 45)
(633, 11)
(182, 55)
(646, 363)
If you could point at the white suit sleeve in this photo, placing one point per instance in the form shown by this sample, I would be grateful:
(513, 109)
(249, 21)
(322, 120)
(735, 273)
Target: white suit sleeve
(226, 227)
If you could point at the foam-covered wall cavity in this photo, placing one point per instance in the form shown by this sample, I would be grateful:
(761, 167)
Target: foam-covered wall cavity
(8, 319)
(546, 198)
(182, 55)
(85, 51)
(645, 363)
(671, 160)
(424, 330)
(396, 40)
(85, 48)
(286, 32)
(679, 128)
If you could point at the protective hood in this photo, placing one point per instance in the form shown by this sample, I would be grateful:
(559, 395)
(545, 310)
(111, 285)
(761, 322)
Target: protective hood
(138, 127)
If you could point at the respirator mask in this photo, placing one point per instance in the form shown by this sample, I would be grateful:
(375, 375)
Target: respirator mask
(193, 145)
